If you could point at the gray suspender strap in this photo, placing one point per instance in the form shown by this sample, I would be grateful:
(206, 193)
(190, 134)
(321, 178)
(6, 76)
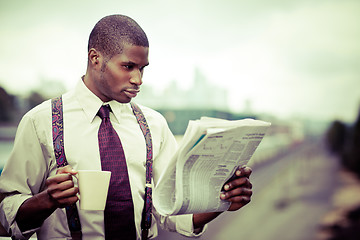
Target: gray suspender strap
(58, 142)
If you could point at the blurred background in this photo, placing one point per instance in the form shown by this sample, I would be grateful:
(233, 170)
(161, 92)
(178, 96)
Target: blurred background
(295, 63)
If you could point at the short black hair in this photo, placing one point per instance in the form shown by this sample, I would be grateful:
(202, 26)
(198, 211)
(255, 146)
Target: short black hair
(111, 33)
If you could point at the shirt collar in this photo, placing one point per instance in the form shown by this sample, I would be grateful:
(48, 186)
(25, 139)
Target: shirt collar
(91, 104)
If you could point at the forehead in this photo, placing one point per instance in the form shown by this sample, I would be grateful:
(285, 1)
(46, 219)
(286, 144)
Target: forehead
(135, 54)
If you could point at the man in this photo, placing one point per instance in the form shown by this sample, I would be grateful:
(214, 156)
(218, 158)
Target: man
(37, 191)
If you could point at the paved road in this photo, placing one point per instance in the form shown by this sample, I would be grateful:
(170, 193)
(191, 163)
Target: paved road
(291, 195)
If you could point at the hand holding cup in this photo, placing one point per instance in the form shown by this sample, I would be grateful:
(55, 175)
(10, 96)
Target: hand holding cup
(61, 189)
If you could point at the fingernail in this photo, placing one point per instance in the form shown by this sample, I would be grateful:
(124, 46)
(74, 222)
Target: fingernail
(226, 187)
(222, 196)
(238, 172)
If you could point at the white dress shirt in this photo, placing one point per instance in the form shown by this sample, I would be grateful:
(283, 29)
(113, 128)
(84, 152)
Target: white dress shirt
(32, 161)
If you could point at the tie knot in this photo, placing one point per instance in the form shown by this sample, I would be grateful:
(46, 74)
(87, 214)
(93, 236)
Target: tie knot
(104, 111)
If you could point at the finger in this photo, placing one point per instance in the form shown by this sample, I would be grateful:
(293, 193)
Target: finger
(67, 201)
(62, 186)
(67, 169)
(240, 200)
(236, 195)
(244, 192)
(58, 178)
(238, 203)
(58, 188)
(68, 193)
(63, 198)
(243, 181)
(244, 171)
(55, 188)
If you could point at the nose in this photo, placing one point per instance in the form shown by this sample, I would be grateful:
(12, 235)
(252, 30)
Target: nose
(136, 78)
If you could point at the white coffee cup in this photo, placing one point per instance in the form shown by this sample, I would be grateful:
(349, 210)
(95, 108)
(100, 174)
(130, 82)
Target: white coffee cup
(93, 188)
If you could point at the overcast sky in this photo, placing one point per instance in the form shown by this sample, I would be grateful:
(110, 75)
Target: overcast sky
(287, 57)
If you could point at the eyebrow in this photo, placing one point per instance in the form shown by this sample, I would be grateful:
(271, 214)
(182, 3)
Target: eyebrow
(132, 63)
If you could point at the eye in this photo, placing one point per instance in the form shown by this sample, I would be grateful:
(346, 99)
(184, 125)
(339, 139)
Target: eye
(128, 67)
(143, 67)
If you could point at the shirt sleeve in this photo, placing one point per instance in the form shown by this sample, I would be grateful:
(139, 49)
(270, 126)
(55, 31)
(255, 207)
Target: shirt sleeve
(23, 175)
(182, 224)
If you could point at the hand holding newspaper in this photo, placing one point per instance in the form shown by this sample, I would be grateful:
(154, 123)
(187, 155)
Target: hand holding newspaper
(208, 156)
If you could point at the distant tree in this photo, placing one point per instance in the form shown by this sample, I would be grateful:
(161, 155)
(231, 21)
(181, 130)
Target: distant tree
(356, 138)
(336, 137)
(345, 142)
(35, 99)
(6, 106)
(351, 155)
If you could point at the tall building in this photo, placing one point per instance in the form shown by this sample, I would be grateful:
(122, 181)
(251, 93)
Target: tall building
(202, 94)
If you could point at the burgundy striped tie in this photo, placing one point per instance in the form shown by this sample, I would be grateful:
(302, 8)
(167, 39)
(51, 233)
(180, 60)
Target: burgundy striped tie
(119, 210)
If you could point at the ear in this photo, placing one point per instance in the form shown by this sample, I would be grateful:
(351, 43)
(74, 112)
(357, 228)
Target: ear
(94, 57)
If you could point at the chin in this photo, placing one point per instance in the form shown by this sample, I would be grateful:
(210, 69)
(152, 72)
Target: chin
(122, 100)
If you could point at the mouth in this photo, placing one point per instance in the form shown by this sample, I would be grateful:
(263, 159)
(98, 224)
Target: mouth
(131, 93)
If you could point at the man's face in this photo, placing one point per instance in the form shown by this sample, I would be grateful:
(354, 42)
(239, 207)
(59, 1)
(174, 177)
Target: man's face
(120, 77)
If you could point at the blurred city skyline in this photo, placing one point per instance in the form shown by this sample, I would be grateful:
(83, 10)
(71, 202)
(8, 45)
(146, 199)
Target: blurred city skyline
(284, 58)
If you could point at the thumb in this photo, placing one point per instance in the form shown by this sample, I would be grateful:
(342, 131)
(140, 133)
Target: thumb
(66, 169)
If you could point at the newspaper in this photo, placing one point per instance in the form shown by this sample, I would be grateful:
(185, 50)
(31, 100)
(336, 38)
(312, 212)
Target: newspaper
(208, 156)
